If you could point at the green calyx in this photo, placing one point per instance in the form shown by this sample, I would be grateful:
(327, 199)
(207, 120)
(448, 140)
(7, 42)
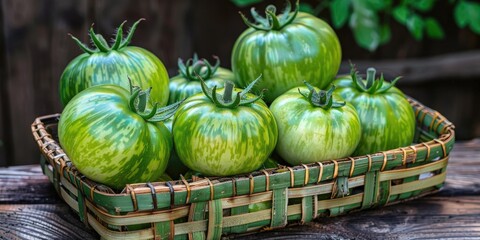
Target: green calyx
(195, 69)
(138, 104)
(102, 45)
(271, 21)
(230, 99)
(323, 99)
(371, 84)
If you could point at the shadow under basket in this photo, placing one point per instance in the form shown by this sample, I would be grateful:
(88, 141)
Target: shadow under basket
(214, 207)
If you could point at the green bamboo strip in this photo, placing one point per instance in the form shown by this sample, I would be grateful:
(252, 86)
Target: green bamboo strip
(241, 227)
(279, 207)
(413, 171)
(163, 230)
(140, 217)
(384, 192)
(338, 202)
(419, 184)
(239, 201)
(69, 200)
(113, 235)
(322, 188)
(307, 209)
(370, 189)
(197, 212)
(215, 217)
(69, 186)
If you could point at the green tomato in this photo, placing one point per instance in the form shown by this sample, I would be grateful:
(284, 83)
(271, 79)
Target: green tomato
(313, 127)
(387, 118)
(187, 82)
(223, 135)
(111, 140)
(286, 50)
(114, 65)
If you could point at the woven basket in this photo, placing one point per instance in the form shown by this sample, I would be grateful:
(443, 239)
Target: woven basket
(212, 207)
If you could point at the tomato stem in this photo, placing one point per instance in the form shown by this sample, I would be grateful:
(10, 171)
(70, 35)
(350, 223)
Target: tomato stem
(372, 85)
(272, 21)
(128, 39)
(81, 45)
(228, 91)
(98, 41)
(195, 67)
(118, 37)
(323, 99)
(226, 100)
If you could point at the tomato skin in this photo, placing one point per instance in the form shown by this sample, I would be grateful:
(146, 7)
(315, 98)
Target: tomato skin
(114, 65)
(305, 49)
(217, 141)
(308, 133)
(108, 142)
(387, 118)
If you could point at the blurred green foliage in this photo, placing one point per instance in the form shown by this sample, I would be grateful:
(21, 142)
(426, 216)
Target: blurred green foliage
(370, 20)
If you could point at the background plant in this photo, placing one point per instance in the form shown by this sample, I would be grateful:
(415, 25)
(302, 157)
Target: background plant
(370, 20)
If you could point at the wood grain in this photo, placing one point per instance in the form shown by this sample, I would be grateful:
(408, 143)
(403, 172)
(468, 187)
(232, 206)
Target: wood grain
(42, 221)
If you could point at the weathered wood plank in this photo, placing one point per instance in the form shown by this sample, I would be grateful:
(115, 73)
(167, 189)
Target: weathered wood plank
(42, 221)
(26, 185)
(427, 218)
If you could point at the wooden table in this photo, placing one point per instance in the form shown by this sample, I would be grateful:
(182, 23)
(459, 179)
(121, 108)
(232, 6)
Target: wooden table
(31, 209)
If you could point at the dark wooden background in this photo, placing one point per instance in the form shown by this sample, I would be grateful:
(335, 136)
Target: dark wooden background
(35, 48)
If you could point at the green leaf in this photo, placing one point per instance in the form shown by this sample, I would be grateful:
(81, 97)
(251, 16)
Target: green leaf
(422, 5)
(379, 5)
(340, 12)
(385, 34)
(433, 28)
(401, 14)
(475, 26)
(306, 7)
(475, 17)
(415, 25)
(461, 14)
(244, 3)
(365, 30)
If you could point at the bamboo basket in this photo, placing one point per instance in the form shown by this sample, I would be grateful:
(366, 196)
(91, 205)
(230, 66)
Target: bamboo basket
(214, 207)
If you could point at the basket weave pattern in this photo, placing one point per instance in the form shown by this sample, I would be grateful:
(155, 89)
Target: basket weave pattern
(211, 207)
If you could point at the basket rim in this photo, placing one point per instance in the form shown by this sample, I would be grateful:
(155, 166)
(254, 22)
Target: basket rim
(58, 159)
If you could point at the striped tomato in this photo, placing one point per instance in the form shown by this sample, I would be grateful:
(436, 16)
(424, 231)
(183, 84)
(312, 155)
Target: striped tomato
(113, 65)
(224, 134)
(112, 138)
(312, 127)
(387, 118)
(286, 49)
(187, 82)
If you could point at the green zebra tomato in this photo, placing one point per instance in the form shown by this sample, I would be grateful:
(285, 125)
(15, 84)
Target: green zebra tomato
(187, 83)
(286, 49)
(223, 135)
(387, 118)
(111, 138)
(312, 127)
(114, 65)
